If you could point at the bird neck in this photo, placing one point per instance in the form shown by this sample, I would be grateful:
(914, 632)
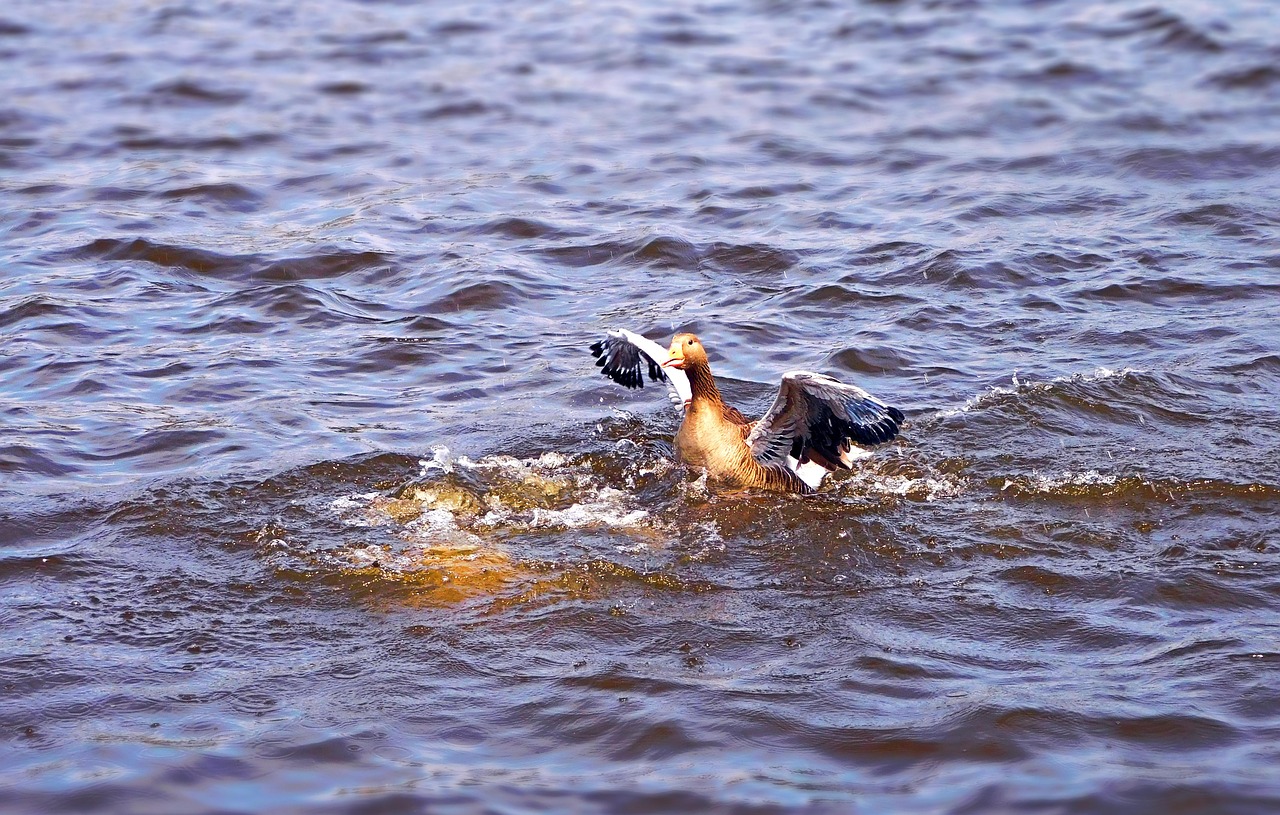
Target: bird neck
(702, 384)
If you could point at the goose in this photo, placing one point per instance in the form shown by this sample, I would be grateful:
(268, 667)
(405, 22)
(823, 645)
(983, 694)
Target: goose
(811, 429)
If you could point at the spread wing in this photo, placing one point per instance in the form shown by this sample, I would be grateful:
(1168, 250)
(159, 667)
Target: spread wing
(817, 418)
(622, 356)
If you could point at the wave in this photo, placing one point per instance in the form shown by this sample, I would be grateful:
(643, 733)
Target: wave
(1099, 485)
(322, 264)
(1001, 395)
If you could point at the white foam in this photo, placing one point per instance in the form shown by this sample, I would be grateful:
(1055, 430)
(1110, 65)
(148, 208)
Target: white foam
(352, 509)
(607, 507)
(513, 465)
(433, 520)
(1050, 484)
(579, 516)
(437, 526)
(441, 460)
(361, 557)
(927, 488)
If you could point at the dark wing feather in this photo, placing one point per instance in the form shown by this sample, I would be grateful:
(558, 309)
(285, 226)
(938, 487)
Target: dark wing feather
(817, 418)
(623, 357)
(622, 362)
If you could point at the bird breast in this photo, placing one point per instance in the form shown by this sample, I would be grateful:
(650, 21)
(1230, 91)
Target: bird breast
(706, 440)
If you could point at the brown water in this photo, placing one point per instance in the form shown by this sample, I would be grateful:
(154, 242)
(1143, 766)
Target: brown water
(314, 500)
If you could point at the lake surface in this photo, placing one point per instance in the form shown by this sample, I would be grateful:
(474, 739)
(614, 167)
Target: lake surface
(313, 499)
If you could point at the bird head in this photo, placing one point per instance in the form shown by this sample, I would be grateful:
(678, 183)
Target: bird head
(685, 350)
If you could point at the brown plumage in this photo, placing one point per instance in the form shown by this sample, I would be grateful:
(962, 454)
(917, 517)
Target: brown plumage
(810, 429)
(713, 434)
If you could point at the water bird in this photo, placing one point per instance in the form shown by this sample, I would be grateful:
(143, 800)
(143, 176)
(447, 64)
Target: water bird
(813, 428)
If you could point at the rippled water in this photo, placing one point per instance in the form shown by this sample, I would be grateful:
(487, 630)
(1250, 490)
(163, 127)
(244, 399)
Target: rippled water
(314, 500)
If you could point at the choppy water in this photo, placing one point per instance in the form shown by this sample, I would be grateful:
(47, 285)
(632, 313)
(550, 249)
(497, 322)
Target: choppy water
(313, 500)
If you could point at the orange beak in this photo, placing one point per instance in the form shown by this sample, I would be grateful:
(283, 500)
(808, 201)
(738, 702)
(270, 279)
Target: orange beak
(675, 357)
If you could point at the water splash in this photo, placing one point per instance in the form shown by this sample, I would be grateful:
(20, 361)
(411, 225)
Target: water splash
(465, 507)
(925, 487)
(441, 460)
(1064, 482)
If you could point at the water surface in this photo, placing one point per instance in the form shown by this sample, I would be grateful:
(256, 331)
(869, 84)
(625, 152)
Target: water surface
(314, 500)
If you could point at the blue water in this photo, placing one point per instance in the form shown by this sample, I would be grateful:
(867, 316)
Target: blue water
(315, 501)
